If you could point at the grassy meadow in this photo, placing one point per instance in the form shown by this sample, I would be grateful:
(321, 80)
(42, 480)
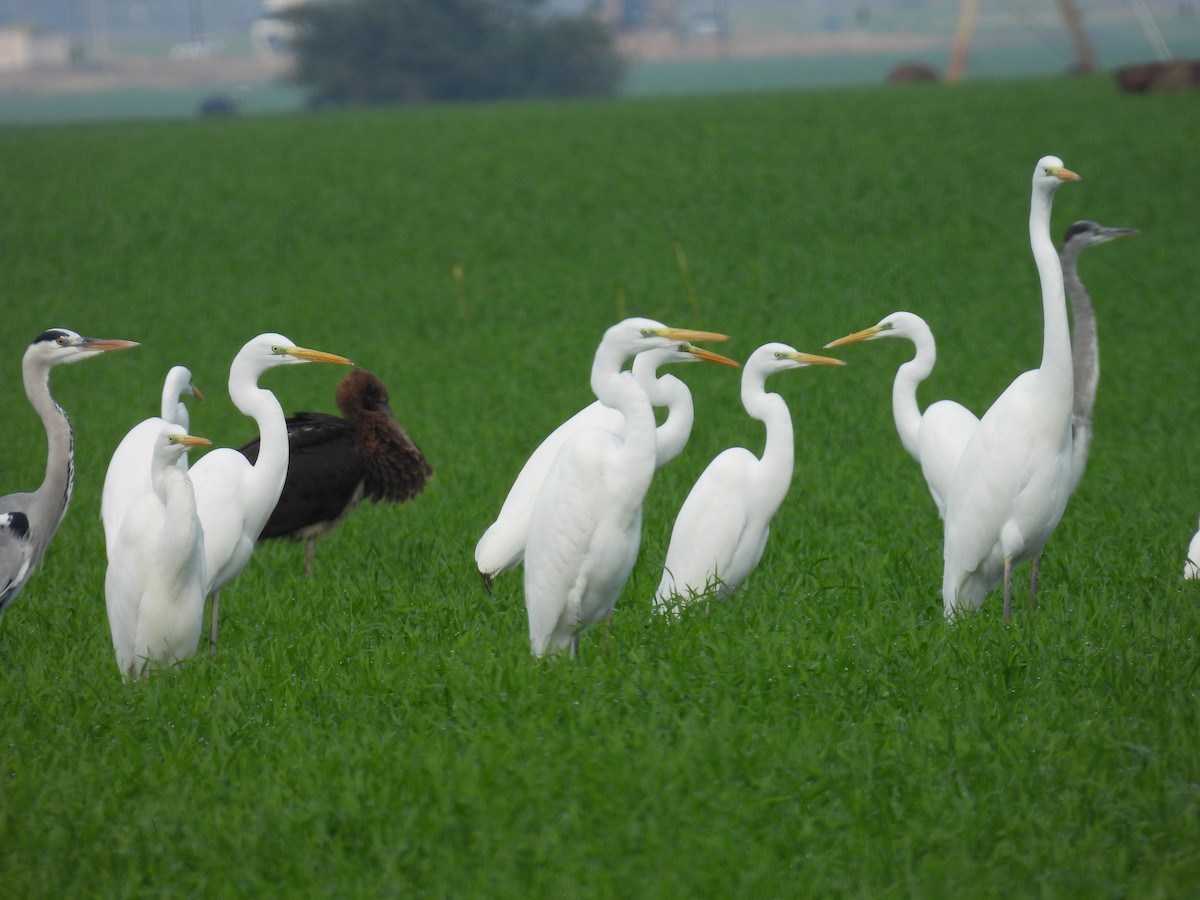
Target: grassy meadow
(381, 729)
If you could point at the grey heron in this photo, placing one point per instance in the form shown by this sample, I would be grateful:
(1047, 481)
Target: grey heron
(28, 520)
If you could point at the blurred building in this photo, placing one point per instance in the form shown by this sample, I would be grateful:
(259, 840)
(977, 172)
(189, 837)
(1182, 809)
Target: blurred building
(25, 47)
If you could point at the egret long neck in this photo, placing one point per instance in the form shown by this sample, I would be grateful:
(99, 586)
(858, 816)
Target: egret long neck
(778, 458)
(54, 494)
(620, 391)
(672, 435)
(265, 481)
(905, 409)
(1056, 339)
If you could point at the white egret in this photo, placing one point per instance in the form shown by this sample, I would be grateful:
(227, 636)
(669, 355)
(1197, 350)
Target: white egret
(333, 463)
(1011, 486)
(1085, 348)
(586, 524)
(154, 585)
(722, 528)
(937, 437)
(234, 498)
(502, 546)
(128, 475)
(28, 520)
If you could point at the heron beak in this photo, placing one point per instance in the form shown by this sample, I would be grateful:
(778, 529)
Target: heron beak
(190, 440)
(1063, 174)
(684, 334)
(1109, 233)
(865, 335)
(708, 356)
(809, 359)
(318, 356)
(89, 343)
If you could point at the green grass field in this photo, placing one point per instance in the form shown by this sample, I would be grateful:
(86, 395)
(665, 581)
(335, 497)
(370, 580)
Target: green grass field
(382, 729)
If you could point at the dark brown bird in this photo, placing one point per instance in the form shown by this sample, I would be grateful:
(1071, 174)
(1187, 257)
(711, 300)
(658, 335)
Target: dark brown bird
(334, 463)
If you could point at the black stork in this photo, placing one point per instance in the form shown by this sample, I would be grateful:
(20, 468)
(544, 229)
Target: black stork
(335, 463)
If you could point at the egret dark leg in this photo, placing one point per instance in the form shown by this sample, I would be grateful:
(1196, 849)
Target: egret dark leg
(310, 545)
(1033, 582)
(487, 583)
(212, 628)
(1007, 588)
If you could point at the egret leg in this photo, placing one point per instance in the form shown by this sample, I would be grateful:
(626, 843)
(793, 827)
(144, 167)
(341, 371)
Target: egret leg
(1033, 582)
(575, 645)
(1007, 588)
(310, 545)
(212, 628)
(487, 583)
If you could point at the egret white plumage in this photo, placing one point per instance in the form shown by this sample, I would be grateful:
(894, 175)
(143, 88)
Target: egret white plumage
(1085, 347)
(333, 463)
(28, 520)
(128, 475)
(937, 437)
(502, 546)
(154, 584)
(586, 524)
(234, 498)
(722, 528)
(1013, 480)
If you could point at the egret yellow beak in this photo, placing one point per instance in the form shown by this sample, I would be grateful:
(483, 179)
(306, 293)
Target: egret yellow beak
(684, 334)
(709, 356)
(865, 335)
(318, 356)
(196, 393)
(810, 359)
(1062, 174)
(190, 440)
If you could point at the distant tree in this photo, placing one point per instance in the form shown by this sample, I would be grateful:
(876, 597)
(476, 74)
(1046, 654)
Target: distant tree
(417, 51)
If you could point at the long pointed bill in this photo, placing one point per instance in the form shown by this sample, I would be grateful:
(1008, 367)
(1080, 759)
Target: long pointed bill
(1063, 174)
(318, 356)
(190, 440)
(684, 334)
(89, 343)
(708, 356)
(808, 359)
(1109, 233)
(196, 392)
(865, 335)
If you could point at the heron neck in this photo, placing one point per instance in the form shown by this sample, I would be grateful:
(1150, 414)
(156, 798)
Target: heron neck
(58, 483)
(1085, 348)
(905, 409)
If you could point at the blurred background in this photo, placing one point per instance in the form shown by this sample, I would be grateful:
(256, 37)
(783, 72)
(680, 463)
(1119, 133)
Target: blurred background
(64, 60)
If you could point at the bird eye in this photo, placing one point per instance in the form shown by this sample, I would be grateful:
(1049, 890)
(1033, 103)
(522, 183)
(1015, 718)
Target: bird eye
(779, 354)
(62, 341)
(279, 351)
(647, 332)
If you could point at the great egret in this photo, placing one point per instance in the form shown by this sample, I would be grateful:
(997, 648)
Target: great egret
(154, 585)
(722, 528)
(333, 463)
(937, 437)
(234, 499)
(586, 524)
(1084, 346)
(28, 520)
(128, 475)
(1012, 483)
(502, 546)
